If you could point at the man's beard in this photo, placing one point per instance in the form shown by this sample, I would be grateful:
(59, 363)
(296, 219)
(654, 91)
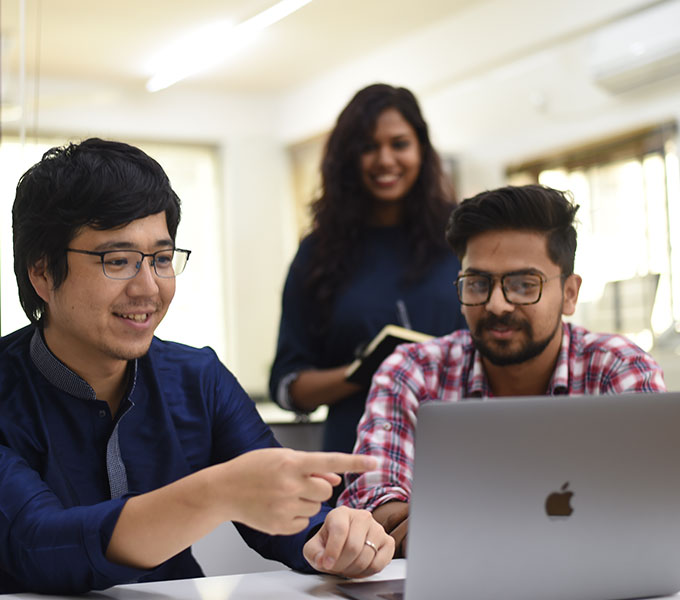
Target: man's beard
(530, 349)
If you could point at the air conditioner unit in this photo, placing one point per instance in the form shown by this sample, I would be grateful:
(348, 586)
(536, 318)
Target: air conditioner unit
(637, 50)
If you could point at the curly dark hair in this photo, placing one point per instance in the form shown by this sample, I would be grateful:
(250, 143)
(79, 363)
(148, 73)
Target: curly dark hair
(342, 211)
(97, 183)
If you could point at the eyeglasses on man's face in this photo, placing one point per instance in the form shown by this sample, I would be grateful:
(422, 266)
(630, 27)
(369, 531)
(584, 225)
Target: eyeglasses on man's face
(475, 289)
(125, 264)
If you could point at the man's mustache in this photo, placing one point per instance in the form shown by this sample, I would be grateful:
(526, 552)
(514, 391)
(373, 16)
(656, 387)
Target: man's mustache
(494, 321)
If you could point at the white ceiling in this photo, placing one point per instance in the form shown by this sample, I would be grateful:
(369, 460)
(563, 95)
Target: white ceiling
(499, 80)
(113, 41)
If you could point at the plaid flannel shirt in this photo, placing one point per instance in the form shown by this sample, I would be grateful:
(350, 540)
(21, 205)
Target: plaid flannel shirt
(450, 369)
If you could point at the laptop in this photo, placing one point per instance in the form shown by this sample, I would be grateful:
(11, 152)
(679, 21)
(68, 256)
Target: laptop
(541, 498)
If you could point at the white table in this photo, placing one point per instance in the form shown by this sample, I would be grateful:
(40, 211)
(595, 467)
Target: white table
(274, 585)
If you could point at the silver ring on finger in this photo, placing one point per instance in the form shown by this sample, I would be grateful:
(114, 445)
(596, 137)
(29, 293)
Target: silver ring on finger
(372, 546)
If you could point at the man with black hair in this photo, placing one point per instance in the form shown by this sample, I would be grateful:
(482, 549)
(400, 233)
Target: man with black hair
(119, 450)
(517, 247)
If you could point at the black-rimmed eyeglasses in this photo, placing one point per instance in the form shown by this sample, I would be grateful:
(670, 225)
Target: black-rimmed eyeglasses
(475, 289)
(125, 264)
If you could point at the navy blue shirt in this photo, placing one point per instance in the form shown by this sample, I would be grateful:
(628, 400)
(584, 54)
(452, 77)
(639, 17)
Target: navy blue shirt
(67, 465)
(375, 296)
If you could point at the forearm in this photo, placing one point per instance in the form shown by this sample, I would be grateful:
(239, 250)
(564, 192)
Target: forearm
(157, 525)
(313, 388)
(278, 491)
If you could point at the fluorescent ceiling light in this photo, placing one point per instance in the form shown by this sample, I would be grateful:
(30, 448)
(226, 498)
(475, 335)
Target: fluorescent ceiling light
(211, 45)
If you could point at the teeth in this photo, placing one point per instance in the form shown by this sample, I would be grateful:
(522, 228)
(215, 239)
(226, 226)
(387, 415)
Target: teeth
(137, 318)
(386, 178)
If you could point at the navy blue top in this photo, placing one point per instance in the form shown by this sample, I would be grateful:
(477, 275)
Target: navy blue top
(367, 303)
(67, 467)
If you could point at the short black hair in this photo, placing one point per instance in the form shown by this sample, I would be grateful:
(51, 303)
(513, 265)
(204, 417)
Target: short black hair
(536, 208)
(95, 183)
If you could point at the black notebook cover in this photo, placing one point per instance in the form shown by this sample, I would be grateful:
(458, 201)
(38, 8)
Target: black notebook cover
(381, 346)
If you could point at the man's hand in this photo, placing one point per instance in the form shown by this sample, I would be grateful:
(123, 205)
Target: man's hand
(350, 543)
(274, 490)
(277, 490)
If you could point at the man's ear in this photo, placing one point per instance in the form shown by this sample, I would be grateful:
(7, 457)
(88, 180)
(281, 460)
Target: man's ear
(572, 285)
(40, 280)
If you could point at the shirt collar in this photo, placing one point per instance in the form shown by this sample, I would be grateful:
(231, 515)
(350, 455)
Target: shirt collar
(478, 386)
(60, 376)
(559, 382)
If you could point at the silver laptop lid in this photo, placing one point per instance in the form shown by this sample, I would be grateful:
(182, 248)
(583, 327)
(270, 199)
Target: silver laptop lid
(488, 472)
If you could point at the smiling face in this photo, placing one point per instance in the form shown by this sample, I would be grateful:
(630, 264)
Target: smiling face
(504, 333)
(93, 319)
(391, 163)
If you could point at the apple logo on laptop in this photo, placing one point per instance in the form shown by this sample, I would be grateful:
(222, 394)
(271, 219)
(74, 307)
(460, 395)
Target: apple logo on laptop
(558, 504)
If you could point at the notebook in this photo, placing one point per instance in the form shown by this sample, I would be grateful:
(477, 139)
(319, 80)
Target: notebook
(545, 497)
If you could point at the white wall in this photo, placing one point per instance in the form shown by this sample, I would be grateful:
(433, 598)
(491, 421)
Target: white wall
(457, 53)
(259, 238)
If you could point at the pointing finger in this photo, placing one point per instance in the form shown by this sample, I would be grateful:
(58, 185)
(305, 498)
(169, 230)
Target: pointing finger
(338, 462)
(332, 478)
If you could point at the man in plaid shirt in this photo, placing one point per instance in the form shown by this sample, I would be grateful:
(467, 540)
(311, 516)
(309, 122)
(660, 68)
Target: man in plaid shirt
(516, 246)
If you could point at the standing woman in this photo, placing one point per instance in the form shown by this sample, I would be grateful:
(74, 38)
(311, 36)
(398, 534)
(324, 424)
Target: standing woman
(376, 255)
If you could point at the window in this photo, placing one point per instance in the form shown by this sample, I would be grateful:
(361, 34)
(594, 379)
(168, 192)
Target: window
(628, 191)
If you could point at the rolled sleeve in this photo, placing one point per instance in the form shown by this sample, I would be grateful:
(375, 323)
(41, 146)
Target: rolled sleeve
(285, 548)
(387, 431)
(47, 547)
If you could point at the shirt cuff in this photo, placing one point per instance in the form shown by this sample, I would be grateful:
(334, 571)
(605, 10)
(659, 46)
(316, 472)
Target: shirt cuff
(283, 398)
(97, 542)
